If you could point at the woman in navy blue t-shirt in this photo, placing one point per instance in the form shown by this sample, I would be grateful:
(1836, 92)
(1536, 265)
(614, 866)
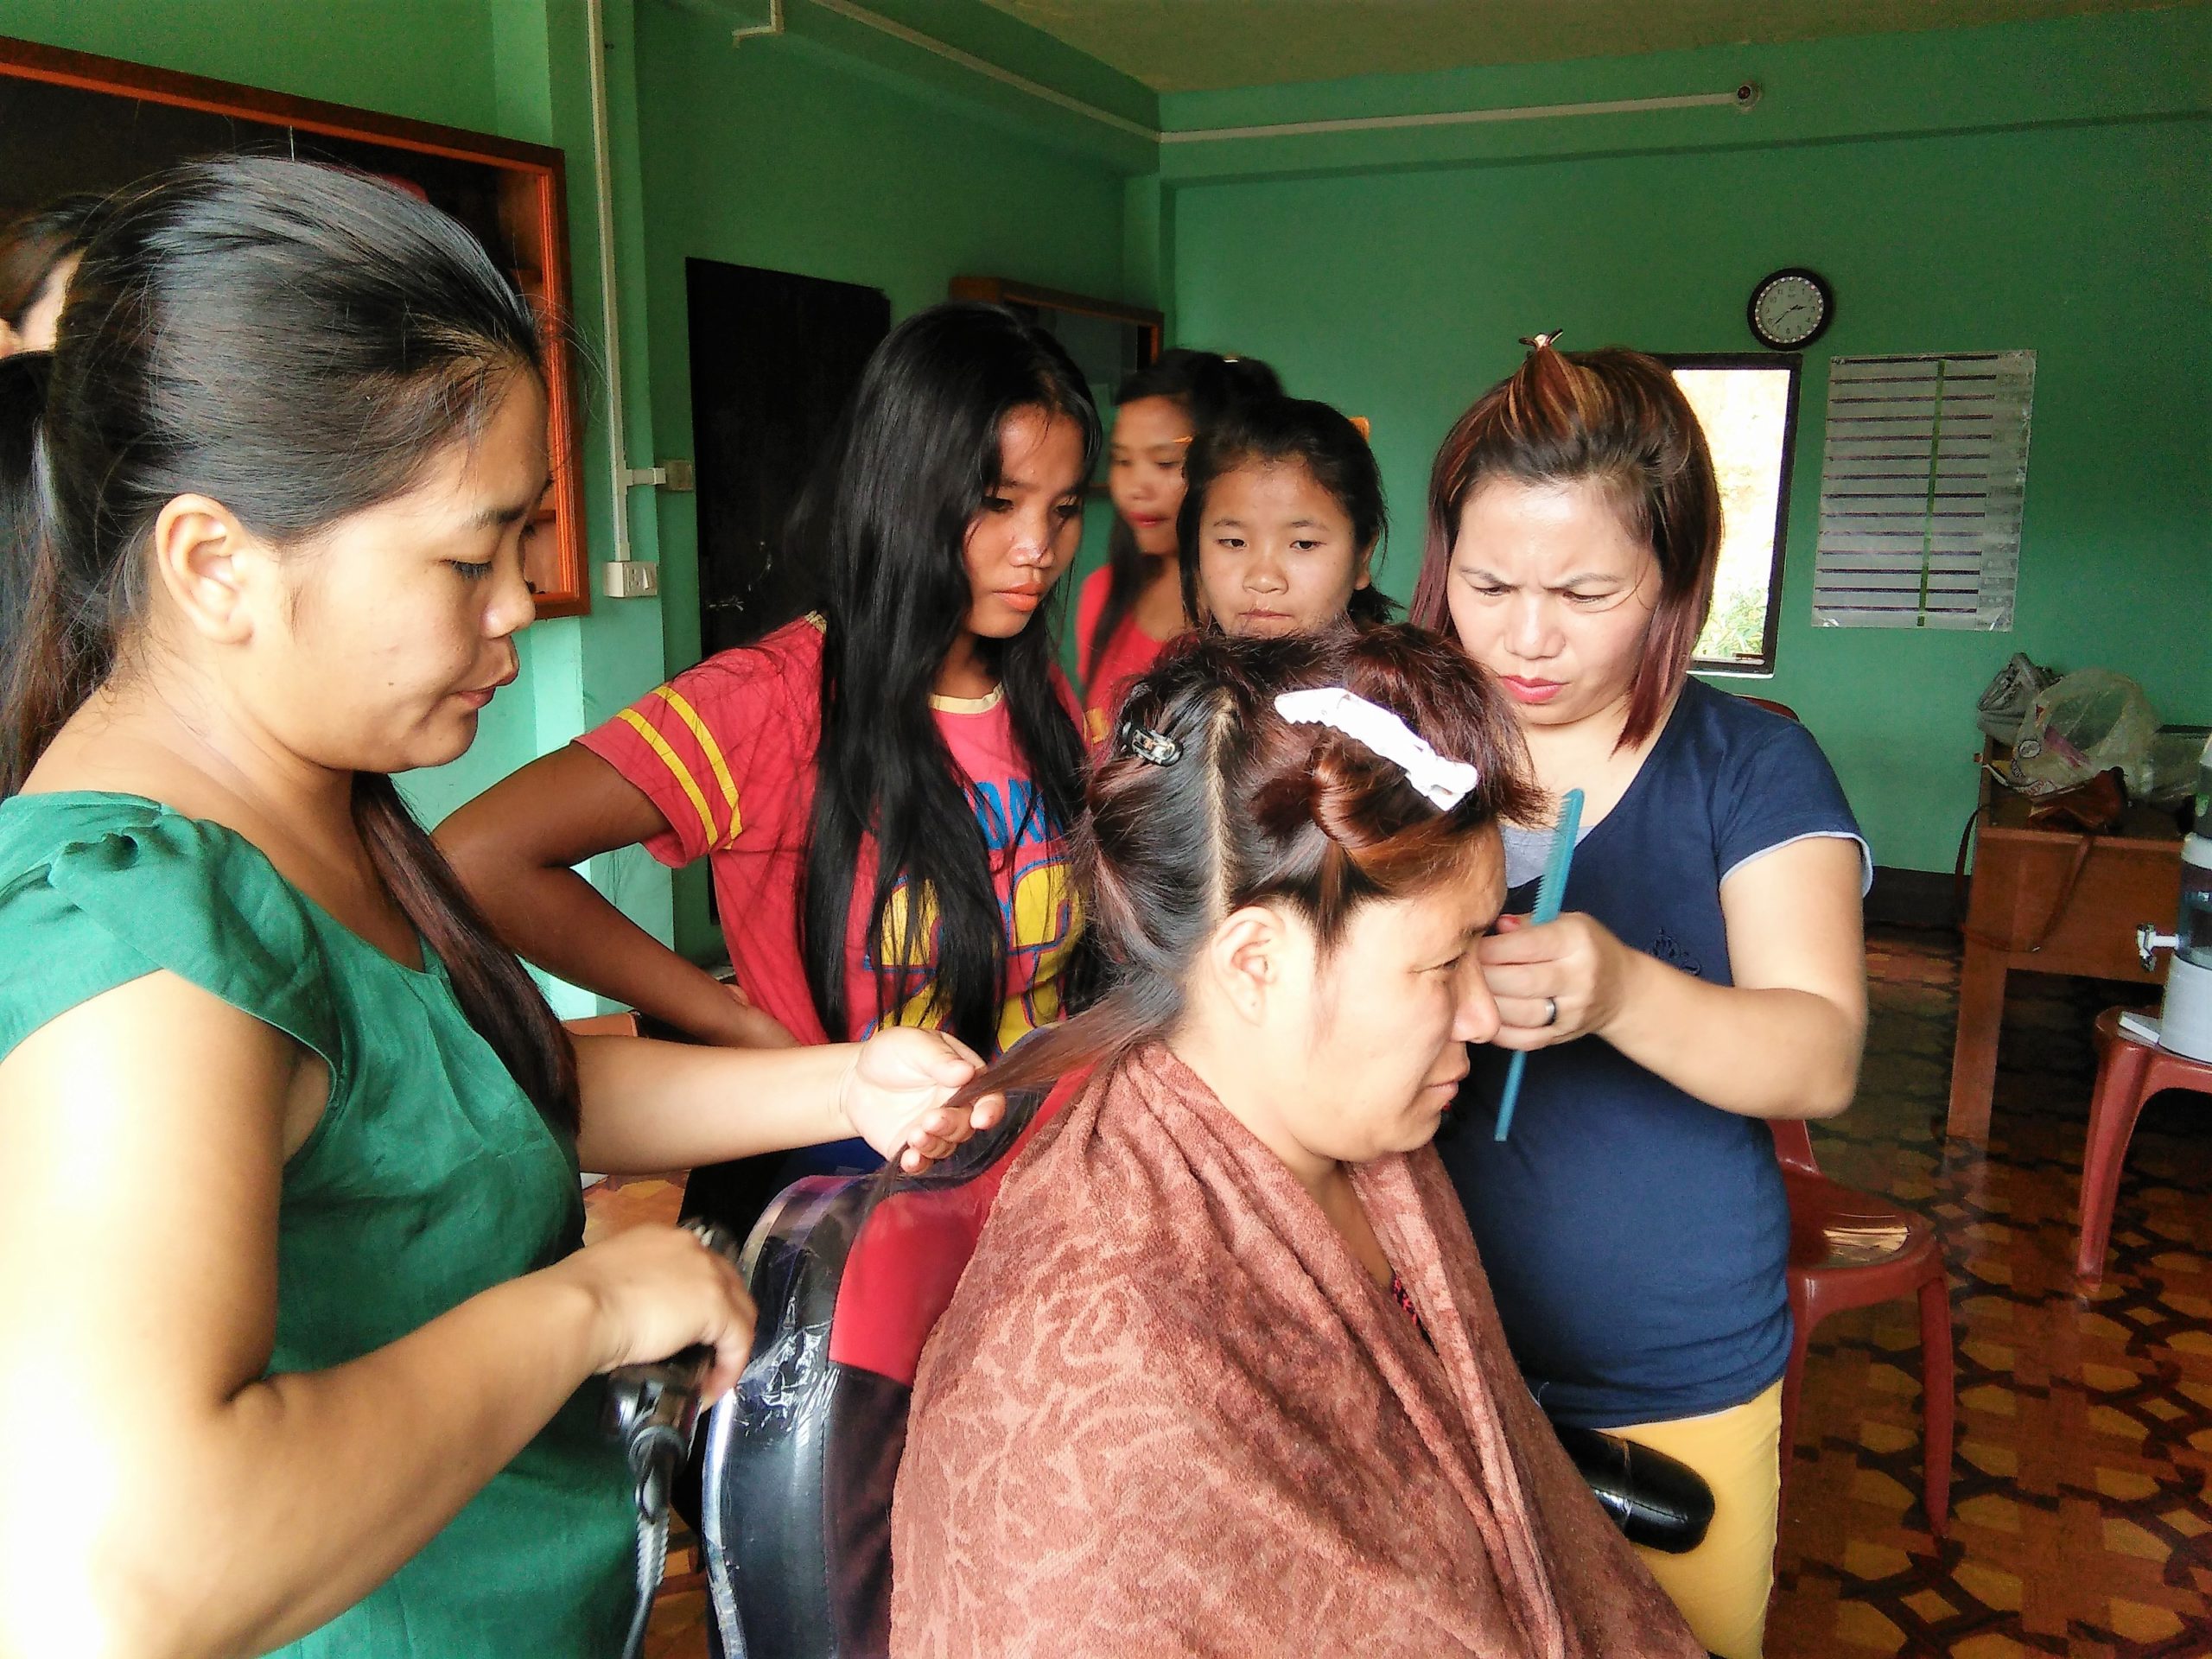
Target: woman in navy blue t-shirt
(1634, 1226)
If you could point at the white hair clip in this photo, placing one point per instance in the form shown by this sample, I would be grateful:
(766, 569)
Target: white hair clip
(1444, 782)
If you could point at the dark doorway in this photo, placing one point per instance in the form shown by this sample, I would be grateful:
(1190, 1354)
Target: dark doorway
(773, 358)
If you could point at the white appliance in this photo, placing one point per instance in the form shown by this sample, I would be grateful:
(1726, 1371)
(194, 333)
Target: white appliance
(2186, 1022)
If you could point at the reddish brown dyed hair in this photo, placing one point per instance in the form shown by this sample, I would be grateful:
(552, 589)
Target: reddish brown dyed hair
(1259, 809)
(1617, 418)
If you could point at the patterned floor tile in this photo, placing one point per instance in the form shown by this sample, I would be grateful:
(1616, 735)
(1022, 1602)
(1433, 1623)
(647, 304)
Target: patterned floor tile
(2080, 1519)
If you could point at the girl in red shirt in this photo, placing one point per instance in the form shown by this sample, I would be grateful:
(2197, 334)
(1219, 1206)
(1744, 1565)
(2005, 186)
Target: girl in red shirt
(881, 789)
(1131, 605)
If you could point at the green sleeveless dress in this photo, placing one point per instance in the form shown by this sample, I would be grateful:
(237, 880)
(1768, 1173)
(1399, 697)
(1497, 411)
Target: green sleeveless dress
(430, 1176)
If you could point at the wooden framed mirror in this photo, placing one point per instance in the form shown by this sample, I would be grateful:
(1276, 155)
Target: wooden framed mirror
(1108, 340)
(70, 122)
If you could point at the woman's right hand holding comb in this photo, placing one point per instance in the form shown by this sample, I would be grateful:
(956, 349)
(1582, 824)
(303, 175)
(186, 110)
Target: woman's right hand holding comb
(1572, 969)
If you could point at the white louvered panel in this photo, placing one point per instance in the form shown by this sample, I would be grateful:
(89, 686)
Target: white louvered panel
(1922, 480)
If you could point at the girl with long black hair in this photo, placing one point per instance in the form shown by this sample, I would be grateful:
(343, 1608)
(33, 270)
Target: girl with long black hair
(881, 788)
(294, 1333)
(1132, 606)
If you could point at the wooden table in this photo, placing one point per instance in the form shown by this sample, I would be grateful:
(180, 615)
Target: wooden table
(2032, 909)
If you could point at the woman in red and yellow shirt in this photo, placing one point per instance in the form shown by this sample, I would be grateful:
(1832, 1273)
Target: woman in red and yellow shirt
(881, 789)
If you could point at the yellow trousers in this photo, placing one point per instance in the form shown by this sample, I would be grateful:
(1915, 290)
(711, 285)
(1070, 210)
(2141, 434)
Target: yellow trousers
(1723, 1585)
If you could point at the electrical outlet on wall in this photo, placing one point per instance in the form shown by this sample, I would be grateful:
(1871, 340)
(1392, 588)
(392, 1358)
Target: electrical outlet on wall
(630, 578)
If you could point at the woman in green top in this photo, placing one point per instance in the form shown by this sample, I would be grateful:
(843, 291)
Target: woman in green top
(294, 1327)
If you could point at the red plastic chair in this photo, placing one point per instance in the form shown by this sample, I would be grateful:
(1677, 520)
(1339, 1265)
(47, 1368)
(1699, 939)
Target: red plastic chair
(625, 1024)
(1849, 1249)
(2129, 1071)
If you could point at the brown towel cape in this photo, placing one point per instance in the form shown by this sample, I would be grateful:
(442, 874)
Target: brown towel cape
(1168, 1412)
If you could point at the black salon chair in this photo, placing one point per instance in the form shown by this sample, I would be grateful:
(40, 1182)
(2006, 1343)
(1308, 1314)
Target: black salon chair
(850, 1274)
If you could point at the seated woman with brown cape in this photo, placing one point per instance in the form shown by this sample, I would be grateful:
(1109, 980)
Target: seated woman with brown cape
(1224, 1376)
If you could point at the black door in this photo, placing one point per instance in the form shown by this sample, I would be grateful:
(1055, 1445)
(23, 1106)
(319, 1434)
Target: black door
(773, 358)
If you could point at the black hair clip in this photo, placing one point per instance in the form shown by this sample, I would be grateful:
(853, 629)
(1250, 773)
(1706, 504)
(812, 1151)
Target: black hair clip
(1154, 748)
(1538, 342)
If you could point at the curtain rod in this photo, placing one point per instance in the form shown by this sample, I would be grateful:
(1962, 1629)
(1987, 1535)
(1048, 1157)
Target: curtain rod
(1742, 97)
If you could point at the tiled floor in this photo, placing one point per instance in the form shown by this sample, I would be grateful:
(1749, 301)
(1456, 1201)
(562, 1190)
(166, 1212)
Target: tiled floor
(2081, 1519)
(2082, 1525)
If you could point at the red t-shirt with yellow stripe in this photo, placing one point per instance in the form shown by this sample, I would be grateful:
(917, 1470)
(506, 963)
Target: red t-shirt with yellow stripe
(726, 752)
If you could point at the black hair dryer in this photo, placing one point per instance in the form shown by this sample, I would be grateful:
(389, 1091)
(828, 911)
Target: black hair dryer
(1655, 1500)
(653, 1410)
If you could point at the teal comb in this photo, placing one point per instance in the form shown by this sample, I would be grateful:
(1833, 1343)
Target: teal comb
(1551, 893)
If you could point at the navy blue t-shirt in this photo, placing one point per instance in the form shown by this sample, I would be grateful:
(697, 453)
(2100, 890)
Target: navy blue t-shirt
(1637, 1237)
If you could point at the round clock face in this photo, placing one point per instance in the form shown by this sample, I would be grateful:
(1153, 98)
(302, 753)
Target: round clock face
(1790, 308)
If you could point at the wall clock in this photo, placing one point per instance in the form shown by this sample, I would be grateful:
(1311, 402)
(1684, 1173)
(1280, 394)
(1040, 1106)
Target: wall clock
(1791, 310)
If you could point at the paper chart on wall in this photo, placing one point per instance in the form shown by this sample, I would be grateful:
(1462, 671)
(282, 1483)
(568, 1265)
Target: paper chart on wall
(1923, 477)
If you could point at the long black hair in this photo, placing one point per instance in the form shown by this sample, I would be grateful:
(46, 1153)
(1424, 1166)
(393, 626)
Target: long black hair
(299, 343)
(1206, 386)
(884, 518)
(22, 401)
(1315, 436)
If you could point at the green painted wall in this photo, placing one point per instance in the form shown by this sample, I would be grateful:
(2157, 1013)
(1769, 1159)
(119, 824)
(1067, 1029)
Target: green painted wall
(2046, 185)
(2037, 185)
(836, 152)
(429, 59)
(807, 154)
(512, 67)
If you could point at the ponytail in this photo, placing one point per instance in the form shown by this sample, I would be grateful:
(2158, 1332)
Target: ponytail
(26, 615)
(55, 661)
(493, 988)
